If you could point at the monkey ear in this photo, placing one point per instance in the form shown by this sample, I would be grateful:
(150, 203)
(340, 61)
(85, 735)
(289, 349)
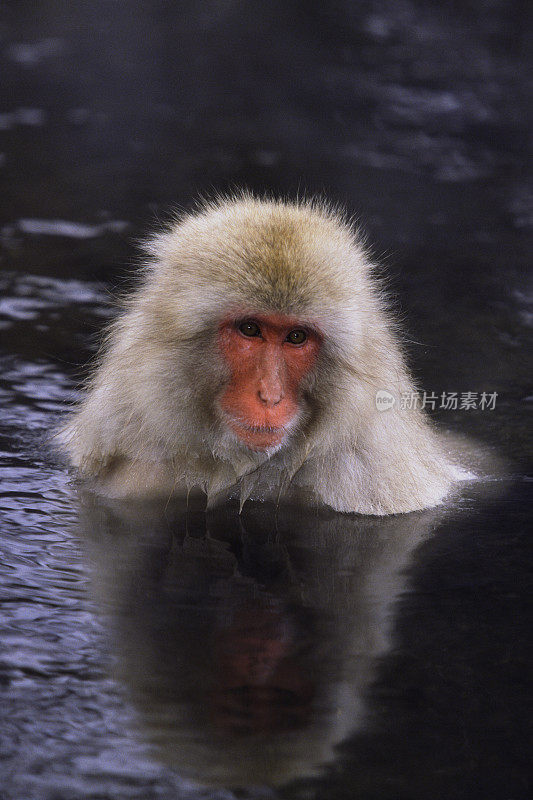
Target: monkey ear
(397, 465)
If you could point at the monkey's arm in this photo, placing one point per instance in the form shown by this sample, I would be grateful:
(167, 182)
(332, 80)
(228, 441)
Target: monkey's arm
(396, 466)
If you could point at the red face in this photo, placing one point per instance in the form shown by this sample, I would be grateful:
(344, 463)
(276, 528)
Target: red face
(268, 356)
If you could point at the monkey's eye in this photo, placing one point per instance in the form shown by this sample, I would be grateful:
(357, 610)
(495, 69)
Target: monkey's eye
(250, 329)
(297, 337)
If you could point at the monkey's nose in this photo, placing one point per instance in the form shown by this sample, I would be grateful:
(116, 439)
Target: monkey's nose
(270, 394)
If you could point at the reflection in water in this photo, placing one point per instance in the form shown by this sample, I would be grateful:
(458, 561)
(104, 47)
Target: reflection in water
(247, 641)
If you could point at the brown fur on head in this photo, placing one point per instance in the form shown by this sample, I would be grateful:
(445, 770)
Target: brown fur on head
(150, 421)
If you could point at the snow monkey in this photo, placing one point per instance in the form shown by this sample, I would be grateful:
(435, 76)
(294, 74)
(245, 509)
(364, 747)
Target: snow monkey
(256, 355)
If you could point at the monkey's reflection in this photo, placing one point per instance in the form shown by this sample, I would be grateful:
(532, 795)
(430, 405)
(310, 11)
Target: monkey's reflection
(246, 642)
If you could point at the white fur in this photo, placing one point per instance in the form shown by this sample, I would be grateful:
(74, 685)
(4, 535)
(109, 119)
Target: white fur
(150, 424)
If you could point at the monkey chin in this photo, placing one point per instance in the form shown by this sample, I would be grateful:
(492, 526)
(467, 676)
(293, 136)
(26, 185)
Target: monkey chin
(260, 438)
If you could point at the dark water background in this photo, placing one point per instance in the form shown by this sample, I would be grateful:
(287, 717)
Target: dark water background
(143, 653)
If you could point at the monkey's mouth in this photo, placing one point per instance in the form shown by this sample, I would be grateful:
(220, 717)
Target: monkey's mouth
(257, 437)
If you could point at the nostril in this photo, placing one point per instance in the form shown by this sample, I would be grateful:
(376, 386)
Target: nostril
(270, 397)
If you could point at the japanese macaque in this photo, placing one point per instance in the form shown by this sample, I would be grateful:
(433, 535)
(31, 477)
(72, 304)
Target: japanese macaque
(250, 359)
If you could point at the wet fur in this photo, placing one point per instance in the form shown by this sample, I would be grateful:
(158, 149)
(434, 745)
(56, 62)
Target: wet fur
(148, 424)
